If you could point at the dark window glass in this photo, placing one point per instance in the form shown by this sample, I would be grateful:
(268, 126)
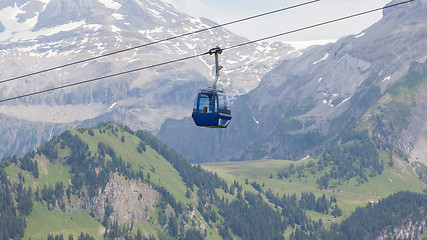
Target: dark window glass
(205, 103)
(223, 103)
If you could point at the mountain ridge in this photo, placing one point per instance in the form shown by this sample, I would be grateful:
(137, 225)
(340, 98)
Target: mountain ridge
(38, 35)
(310, 101)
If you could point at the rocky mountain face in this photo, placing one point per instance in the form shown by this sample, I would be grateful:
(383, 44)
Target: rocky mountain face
(40, 34)
(409, 229)
(20, 135)
(139, 198)
(309, 101)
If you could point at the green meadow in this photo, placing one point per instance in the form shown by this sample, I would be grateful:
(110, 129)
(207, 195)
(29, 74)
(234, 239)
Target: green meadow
(349, 195)
(42, 221)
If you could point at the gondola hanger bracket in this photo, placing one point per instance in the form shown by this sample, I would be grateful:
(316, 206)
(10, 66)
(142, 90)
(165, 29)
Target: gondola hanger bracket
(215, 50)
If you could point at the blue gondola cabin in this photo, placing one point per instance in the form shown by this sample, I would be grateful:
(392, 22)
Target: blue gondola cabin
(211, 109)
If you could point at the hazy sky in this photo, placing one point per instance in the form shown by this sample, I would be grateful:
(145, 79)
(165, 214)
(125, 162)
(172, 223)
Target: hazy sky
(222, 11)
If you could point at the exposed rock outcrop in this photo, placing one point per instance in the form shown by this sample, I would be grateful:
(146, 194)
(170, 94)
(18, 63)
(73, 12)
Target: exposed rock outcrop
(408, 230)
(131, 201)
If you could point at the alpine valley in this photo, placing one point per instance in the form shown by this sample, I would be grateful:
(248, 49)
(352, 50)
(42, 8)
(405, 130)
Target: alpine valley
(329, 142)
(374, 81)
(36, 35)
(110, 182)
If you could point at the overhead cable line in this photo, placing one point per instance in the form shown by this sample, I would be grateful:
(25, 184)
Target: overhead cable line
(201, 54)
(317, 25)
(108, 76)
(159, 41)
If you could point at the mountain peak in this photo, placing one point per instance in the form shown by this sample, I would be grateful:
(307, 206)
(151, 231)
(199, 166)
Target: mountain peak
(39, 35)
(411, 7)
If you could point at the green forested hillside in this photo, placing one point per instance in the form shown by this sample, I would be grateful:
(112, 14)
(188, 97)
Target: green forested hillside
(111, 182)
(70, 184)
(332, 185)
(400, 216)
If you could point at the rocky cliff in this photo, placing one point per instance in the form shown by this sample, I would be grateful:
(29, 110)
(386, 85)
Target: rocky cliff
(408, 230)
(139, 198)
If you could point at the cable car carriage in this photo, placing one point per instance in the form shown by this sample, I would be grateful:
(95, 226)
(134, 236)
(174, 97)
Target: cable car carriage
(211, 106)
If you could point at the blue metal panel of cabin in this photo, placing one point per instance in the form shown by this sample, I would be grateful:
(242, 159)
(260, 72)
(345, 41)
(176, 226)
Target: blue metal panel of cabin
(205, 119)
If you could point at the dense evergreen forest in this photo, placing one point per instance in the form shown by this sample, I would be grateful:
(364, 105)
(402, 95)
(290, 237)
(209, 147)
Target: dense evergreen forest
(401, 209)
(227, 208)
(355, 157)
(12, 221)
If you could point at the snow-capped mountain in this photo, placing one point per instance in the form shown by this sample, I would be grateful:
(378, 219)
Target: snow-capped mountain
(39, 34)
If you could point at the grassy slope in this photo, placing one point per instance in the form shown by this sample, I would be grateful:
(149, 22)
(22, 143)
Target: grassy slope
(42, 221)
(49, 174)
(349, 195)
(160, 170)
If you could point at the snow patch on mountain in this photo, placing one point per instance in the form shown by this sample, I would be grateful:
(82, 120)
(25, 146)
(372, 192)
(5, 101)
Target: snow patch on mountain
(115, 29)
(155, 30)
(112, 106)
(94, 27)
(12, 26)
(329, 102)
(360, 35)
(345, 100)
(28, 35)
(111, 4)
(156, 14)
(16, 30)
(62, 28)
(118, 16)
(44, 1)
(322, 59)
(256, 121)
